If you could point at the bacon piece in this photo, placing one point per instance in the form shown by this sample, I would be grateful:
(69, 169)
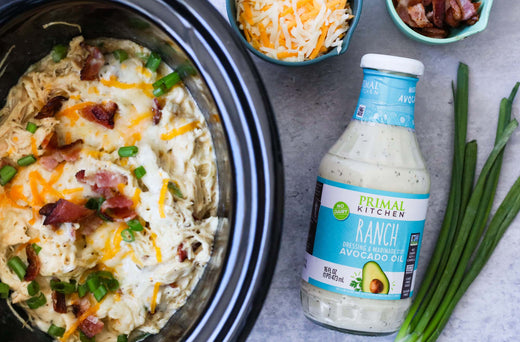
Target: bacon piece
(434, 32)
(33, 269)
(63, 211)
(467, 9)
(402, 11)
(426, 3)
(56, 155)
(78, 308)
(51, 107)
(119, 207)
(90, 224)
(473, 20)
(418, 15)
(101, 180)
(181, 253)
(102, 114)
(58, 302)
(438, 7)
(93, 63)
(91, 326)
(157, 111)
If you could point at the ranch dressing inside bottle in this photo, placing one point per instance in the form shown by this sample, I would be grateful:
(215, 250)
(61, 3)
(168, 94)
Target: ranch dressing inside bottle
(369, 209)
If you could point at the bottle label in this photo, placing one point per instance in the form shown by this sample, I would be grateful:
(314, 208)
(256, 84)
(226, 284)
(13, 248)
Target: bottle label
(386, 98)
(364, 242)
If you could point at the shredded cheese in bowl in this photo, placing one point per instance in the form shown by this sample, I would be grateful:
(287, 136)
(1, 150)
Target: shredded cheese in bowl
(294, 30)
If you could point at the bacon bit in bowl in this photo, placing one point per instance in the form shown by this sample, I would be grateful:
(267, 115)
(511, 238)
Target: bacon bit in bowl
(439, 21)
(294, 31)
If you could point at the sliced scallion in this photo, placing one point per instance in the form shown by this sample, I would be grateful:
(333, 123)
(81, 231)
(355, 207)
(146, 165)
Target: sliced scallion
(56, 331)
(4, 290)
(31, 127)
(36, 248)
(17, 266)
(120, 55)
(33, 288)
(6, 174)
(85, 338)
(122, 338)
(111, 284)
(82, 290)
(164, 84)
(27, 160)
(58, 52)
(127, 235)
(135, 225)
(153, 62)
(175, 189)
(100, 292)
(36, 302)
(94, 203)
(127, 151)
(62, 286)
(140, 172)
(93, 283)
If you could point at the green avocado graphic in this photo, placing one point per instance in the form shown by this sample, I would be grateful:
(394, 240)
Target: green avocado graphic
(374, 279)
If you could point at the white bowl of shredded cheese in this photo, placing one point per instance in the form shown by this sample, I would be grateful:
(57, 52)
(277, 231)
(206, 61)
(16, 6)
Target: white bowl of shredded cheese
(294, 32)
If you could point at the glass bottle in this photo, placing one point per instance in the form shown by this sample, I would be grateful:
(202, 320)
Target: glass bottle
(369, 209)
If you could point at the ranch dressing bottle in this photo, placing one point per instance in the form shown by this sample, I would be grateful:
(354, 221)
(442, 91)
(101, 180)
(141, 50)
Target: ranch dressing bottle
(369, 209)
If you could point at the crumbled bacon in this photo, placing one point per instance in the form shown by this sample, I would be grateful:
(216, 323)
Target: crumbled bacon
(433, 18)
(63, 211)
(78, 308)
(93, 63)
(33, 269)
(51, 107)
(90, 224)
(119, 208)
(181, 253)
(102, 179)
(58, 302)
(157, 111)
(56, 155)
(91, 326)
(102, 113)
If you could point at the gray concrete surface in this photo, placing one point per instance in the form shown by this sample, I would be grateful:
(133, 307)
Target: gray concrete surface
(314, 104)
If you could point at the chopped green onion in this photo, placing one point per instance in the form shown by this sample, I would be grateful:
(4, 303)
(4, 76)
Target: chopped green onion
(33, 288)
(6, 174)
(36, 248)
(82, 290)
(56, 331)
(85, 338)
(17, 266)
(104, 274)
(58, 52)
(100, 292)
(31, 127)
(122, 338)
(135, 225)
(164, 84)
(127, 151)
(36, 302)
(27, 160)
(140, 172)
(93, 283)
(127, 235)
(175, 189)
(94, 203)
(4, 290)
(62, 286)
(111, 284)
(153, 62)
(120, 55)
(142, 55)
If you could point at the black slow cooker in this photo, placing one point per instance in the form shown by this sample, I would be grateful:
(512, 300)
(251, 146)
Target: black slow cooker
(229, 92)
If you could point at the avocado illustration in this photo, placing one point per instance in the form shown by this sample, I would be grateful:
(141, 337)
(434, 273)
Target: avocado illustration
(374, 279)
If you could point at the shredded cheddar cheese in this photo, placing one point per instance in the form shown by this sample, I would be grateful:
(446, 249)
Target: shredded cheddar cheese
(294, 30)
(162, 197)
(90, 311)
(154, 297)
(158, 253)
(113, 82)
(180, 130)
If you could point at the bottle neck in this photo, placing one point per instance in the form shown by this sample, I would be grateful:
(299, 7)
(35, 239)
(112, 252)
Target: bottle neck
(387, 98)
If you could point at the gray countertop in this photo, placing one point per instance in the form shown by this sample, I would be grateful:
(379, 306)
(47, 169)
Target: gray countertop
(314, 104)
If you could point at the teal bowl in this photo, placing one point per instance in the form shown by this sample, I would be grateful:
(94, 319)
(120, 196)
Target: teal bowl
(455, 35)
(356, 11)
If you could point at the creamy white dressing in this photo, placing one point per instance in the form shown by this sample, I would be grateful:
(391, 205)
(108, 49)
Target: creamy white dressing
(375, 156)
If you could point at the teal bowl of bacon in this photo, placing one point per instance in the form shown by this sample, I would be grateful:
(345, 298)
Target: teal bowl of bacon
(438, 22)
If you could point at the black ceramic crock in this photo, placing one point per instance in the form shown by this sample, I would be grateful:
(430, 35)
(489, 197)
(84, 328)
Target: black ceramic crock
(228, 90)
